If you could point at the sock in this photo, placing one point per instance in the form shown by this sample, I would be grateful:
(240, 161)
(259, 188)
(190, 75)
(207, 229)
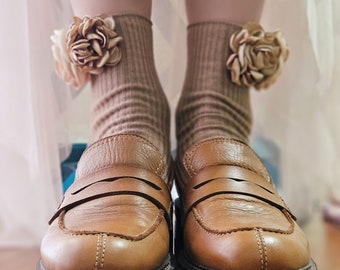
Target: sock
(128, 98)
(211, 106)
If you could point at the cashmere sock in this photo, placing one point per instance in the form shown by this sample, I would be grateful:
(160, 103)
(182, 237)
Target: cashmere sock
(128, 98)
(211, 106)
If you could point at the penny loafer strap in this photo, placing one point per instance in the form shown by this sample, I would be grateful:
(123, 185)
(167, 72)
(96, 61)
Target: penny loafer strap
(118, 181)
(224, 179)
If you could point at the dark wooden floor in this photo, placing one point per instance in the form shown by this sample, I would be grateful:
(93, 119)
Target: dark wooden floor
(18, 259)
(324, 239)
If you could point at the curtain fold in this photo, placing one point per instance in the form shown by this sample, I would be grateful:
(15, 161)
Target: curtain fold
(29, 148)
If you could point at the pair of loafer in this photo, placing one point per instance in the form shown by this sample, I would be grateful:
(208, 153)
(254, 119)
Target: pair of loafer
(118, 213)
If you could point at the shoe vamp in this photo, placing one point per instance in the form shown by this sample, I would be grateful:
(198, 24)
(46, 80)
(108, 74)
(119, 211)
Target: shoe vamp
(125, 214)
(225, 213)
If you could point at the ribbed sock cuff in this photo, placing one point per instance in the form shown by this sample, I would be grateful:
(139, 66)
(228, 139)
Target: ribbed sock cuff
(211, 105)
(128, 98)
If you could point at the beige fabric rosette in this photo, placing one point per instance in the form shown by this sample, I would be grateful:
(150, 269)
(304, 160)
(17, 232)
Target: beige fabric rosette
(89, 45)
(257, 57)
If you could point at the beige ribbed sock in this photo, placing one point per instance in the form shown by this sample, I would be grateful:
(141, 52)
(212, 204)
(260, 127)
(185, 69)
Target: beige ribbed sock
(128, 98)
(211, 106)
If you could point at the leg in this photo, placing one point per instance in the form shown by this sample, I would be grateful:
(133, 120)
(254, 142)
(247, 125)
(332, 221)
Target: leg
(92, 8)
(229, 11)
(226, 110)
(234, 217)
(128, 97)
(117, 213)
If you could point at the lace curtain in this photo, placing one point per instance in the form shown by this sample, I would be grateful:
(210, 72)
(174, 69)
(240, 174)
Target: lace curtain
(40, 117)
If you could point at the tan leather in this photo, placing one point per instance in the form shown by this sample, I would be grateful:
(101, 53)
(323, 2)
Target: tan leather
(233, 216)
(116, 215)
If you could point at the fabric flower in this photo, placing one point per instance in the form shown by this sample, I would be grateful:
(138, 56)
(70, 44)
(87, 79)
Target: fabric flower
(65, 69)
(257, 57)
(92, 44)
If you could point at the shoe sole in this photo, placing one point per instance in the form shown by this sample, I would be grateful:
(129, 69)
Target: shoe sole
(167, 265)
(183, 262)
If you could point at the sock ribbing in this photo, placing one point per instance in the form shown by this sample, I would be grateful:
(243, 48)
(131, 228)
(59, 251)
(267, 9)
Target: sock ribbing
(211, 105)
(128, 98)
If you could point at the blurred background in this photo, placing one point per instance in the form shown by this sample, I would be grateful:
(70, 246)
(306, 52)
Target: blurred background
(296, 128)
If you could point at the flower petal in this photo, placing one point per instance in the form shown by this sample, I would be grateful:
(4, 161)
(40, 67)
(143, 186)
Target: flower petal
(258, 76)
(115, 57)
(257, 56)
(82, 44)
(230, 60)
(110, 22)
(235, 72)
(96, 47)
(114, 42)
(86, 48)
(104, 59)
(103, 37)
(241, 54)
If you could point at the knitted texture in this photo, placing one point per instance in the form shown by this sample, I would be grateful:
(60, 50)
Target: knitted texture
(211, 106)
(128, 98)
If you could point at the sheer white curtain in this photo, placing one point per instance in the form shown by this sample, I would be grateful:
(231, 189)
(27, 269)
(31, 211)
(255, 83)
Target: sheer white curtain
(299, 112)
(38, 116)
(30, 184)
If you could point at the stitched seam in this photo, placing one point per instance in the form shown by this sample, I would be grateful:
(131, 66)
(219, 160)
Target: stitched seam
(104, 141)
(138, 237)
(188, 157)
(97, 252)
(262, 248)
(100, 253)
(160, 170)
(103, 250)
(259, 247)
(199, 219)
(188, 162)
(265, 249)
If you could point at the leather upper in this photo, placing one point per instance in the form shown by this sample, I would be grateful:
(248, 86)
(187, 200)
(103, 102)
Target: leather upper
(233, 216)
(116, 215)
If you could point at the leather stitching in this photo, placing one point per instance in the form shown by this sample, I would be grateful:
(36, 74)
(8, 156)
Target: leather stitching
(262, 249)
(259, 247)
(100, 254)
(139, 237)
(190, 153)
(187, 160)
(199, 219)
(265, 250)
(160, 169)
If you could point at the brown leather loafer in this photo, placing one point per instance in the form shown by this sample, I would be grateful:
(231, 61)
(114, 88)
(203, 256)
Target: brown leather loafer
(232, 216)
(117, 213)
